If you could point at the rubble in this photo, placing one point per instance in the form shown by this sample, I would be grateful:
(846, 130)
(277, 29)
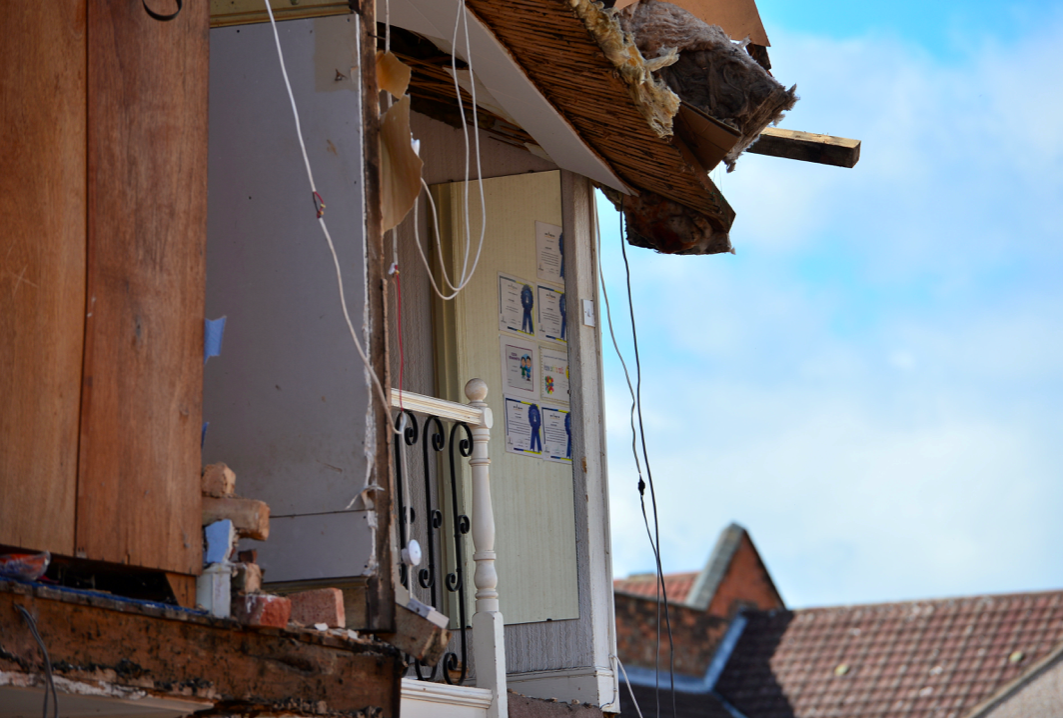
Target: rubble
(711, 73)
(262, 610)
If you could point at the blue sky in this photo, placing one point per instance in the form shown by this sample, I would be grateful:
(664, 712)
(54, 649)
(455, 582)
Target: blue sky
(873, 384)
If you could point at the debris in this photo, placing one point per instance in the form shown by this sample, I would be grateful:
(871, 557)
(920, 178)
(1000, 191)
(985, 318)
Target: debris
(392, 74)
(262, 610)
(658, 223)
(248, 556)
(322, 605)
(400, 166)
(214, 589)
(247, 578)
(220, 539)
(24, 566)
(249, 516)
(712, 73)
(219, 481)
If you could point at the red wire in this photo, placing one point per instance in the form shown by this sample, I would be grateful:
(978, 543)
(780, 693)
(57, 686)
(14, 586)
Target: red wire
(402, 359)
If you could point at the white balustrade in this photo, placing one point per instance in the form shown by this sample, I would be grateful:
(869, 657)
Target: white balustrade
(488, 634)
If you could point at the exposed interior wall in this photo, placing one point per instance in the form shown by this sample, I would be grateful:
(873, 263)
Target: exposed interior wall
(287, 398)
(533, 509)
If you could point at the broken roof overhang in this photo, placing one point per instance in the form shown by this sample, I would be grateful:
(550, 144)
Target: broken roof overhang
(564, 70)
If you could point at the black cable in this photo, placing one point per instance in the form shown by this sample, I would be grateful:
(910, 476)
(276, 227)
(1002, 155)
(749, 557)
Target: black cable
(47, 664)
(663, 593)
(159, 16)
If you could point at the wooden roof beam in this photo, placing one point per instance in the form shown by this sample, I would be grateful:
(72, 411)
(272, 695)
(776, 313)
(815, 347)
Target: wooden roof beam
(807, 147)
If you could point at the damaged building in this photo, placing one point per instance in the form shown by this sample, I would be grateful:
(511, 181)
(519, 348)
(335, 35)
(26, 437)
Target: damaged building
(301, 355)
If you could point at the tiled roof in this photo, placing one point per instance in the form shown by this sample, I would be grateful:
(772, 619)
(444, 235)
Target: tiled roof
(912, 660)
(678, 585)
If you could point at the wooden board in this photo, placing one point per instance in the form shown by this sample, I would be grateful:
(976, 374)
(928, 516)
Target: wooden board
(242, 670)
(139, 463)
(42, 269)
(807, 147)
(380, 587)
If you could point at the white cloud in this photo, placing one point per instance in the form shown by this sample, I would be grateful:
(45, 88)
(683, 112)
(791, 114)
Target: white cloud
(873, 385)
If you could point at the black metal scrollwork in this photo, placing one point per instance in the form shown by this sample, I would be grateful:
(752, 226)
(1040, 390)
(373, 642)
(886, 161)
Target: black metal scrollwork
(434, 440)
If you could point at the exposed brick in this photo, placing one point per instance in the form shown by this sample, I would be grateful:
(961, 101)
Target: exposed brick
(262, 610)
(322, 605)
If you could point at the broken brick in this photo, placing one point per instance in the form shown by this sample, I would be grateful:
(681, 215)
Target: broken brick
(219, 481)
(247, 578)
(262, 610)
(323, 605)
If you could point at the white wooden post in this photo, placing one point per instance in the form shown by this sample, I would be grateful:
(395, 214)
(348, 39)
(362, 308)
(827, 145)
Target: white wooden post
(488, 634)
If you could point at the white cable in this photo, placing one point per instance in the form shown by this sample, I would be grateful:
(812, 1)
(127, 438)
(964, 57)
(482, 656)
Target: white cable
(321, 221)
(629, 688)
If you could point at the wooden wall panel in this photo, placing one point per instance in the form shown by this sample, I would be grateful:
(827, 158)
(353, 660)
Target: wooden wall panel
(138, 495)
(42, 269)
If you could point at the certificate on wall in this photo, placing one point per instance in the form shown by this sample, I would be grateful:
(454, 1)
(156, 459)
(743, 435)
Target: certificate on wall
(557, 435)
(516, 305)
(549, 253)
(520, 367)
(553, 375)
(524, 427)
(553, 324)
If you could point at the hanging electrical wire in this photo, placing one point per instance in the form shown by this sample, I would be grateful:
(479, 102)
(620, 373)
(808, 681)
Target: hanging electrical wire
(636, 409)
(662, 597)
(319, 207)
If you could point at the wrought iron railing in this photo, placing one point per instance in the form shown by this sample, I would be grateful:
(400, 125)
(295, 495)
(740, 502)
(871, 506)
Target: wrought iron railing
(433, 440)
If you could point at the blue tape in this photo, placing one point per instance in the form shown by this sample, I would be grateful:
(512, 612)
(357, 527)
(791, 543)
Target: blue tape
(203, 435)
(213, 331)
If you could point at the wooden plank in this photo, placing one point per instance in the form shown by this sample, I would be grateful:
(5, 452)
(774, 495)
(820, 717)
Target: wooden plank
(139, 462)
(807, 147)
(226, 13)
(184, 589)
(179, 653)
(250, 517)
(42, 269)
(380, 586)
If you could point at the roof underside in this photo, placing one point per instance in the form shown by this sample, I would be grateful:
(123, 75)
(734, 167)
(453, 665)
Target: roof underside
(561, 57)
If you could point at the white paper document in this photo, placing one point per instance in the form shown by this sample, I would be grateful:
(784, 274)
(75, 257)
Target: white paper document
(557, 435)
(524, 430)
(520, 367)
(549, 247)
(553, 375)
(553, 324)
(516, 305)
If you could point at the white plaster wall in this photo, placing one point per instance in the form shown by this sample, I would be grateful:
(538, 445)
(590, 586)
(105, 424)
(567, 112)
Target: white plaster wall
(287, 398)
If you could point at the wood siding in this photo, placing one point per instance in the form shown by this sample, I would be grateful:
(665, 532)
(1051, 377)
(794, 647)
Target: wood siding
(42, 269)
(142, 386)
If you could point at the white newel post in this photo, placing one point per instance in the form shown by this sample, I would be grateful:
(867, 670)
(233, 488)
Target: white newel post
(488, 635)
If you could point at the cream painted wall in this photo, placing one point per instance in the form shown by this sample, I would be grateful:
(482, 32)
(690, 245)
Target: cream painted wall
(533, 498)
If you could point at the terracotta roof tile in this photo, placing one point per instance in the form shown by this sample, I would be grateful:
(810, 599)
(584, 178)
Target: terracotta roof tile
(678, 585)
(913, 660)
